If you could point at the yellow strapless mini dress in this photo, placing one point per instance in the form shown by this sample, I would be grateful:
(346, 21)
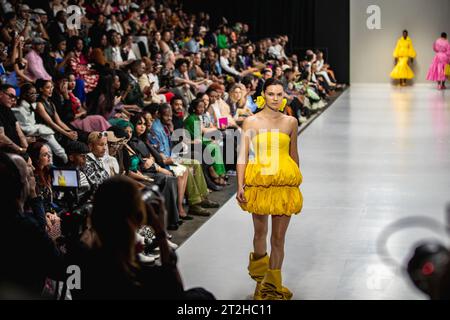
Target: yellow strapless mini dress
(272, 178)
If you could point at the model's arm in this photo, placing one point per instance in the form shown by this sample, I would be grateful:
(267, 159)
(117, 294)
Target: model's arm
(242, 160)
(294, 134)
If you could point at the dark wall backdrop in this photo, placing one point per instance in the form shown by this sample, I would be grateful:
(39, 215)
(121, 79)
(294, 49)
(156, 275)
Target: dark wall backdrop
(321, 24)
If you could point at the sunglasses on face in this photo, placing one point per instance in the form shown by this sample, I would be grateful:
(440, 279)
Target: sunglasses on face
(10, 95)
(102, 134)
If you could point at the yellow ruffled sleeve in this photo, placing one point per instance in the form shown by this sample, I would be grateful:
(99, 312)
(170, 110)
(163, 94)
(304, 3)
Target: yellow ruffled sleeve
(396, 53)
(411, 51)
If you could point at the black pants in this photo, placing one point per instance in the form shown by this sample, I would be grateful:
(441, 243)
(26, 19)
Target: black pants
(168, 186)
(229, 150)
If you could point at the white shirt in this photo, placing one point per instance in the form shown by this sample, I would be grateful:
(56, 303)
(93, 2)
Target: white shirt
(115, 26)
(153, 78)
(111, 165)
(131, 55)
(99, 161)
(62, 27)
(116, 56)
(225, 64)
(84, 183)
(319, 65)
(216, 109)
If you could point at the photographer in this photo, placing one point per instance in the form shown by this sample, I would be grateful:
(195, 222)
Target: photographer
(28, 254)
(77, 152)
(109, 260)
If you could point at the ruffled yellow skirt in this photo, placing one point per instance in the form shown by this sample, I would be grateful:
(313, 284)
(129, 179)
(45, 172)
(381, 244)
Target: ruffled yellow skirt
(402, 70)
(274, 200)
(273, 194)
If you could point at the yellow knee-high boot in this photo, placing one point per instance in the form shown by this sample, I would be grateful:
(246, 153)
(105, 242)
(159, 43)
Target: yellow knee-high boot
(272, 288)
(257, 270)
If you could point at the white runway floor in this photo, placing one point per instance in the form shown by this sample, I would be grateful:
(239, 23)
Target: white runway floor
(378, 154)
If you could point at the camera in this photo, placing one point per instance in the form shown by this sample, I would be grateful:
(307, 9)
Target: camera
(74, 206)
(428, 269)
(154, 201)
(74, 222)
(429, 265)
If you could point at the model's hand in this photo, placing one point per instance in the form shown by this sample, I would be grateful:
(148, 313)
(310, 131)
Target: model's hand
(240, 196)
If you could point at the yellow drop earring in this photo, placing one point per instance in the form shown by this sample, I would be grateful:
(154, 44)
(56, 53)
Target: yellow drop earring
(260, 102)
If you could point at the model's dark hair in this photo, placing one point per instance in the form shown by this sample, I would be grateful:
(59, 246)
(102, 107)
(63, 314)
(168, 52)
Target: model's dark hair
(272, 82)
(444, 35)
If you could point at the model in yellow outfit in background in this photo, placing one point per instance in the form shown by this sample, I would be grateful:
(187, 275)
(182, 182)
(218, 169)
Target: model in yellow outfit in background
(61, 180)
(402, 53)
(268, 185)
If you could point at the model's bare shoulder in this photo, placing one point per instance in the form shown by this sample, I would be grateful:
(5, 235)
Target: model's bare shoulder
(291, 122)
(249, 122)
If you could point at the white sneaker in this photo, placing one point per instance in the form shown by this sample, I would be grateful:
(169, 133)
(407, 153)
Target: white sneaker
(172, 245)
(153, 255)
(146, 259)
(303, 119)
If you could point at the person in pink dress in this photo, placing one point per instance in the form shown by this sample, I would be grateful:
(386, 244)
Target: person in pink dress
(441, 59)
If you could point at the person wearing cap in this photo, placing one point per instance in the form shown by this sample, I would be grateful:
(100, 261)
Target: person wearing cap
(40, 12)
(39, 20)
(36, 69)
(23, 22)
(77, 152)
(96, 169)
